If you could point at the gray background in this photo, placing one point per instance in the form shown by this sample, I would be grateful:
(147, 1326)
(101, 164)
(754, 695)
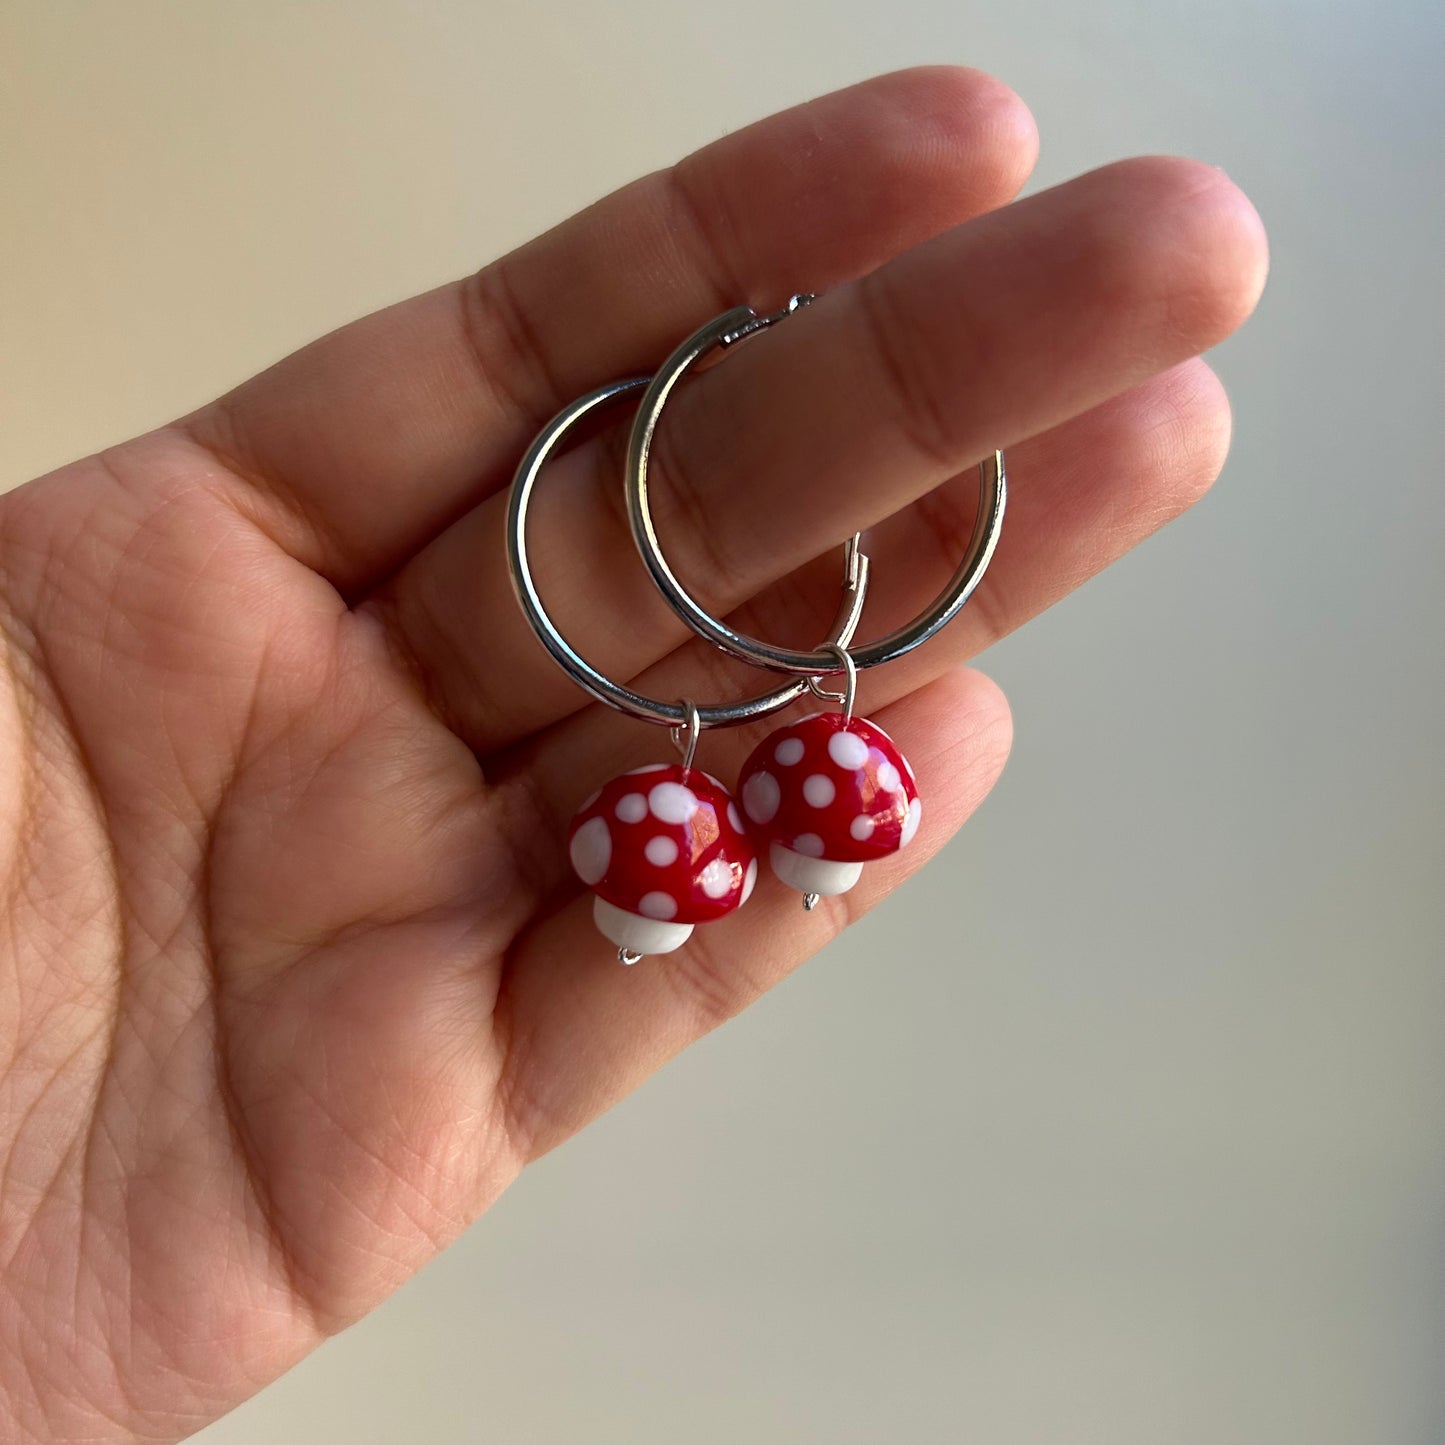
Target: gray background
(1124, 1122)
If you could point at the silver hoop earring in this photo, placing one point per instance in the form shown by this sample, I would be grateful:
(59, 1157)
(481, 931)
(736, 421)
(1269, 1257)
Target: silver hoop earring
(664, 846)
(832, 791)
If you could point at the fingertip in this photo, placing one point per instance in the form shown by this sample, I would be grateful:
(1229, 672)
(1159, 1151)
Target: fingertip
(1233, 241)
(962, 105)
(1249, 241)
(1192, 212)
(948, 142)
(1193, 442)
(987, 731)
(840, 184)
(1169, 437)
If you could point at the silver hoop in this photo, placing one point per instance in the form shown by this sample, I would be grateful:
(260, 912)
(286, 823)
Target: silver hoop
(719, 334)
(680, 715)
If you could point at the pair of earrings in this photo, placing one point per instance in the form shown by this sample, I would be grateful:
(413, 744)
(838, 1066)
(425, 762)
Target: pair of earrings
(667, 846)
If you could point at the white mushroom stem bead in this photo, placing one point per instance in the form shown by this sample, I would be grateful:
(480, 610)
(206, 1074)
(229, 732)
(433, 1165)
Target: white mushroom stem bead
(662, 848)
(828, 797)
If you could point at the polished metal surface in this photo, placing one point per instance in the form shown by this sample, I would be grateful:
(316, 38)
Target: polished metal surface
(680, 715)
(849, 694)
(721, 333)
(687, 732)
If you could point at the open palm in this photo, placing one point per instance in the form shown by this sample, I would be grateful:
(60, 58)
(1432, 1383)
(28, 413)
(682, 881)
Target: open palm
(295, 979)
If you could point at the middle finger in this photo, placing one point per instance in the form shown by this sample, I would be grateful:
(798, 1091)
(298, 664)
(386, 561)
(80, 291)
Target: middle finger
(863, 402)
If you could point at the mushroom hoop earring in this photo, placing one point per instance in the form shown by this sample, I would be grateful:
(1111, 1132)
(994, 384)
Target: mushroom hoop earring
(831, 791)
(664, 846)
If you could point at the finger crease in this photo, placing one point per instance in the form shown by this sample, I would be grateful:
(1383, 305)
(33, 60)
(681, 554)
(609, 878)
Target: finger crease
(924, 424)
(712, 250)
(229, 451)
(491, 312)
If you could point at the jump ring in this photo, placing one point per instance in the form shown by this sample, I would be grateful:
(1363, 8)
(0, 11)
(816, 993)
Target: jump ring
(687, 732)
(850, 687)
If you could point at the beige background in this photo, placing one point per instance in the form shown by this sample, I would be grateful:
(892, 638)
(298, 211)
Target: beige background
(1124, 1123)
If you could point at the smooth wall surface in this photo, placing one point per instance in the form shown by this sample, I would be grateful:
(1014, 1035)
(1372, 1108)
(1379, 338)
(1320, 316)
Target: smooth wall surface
(1125, 1123)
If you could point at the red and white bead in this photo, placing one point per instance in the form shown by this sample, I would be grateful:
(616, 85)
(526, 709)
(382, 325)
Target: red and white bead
(663, 848)
(829, 796)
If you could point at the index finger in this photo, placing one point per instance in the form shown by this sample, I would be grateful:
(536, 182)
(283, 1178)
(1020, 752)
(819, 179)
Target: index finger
(356, 450)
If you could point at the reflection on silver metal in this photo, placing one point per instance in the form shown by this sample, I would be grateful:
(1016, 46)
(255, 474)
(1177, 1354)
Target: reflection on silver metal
(629, 956)
(722, 332)
(810, 902)
(686, 733)
(670, 714)
(751, 322)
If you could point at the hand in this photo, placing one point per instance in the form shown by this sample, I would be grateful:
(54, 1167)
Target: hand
(295, 977)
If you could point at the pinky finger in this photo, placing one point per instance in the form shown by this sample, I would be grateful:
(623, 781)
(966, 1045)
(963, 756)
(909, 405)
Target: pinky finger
(582, 1032)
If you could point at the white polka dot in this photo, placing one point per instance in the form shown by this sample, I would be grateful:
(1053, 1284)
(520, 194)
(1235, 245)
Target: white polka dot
(888, 778)
(631, 807)
(848, 750)
(592, 797)
(810, 845)
(661, 851)
(819, 791)
(735, 817)
(789, 751)
(591, 850)
(661, 906)
(910, 823)
(861, 827)
(672, 802)
(761, 797)
(717, 878)
(750, 879)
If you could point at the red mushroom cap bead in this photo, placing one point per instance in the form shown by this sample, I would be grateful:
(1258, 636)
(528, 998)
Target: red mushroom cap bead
(829, 799)
(663, 848)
